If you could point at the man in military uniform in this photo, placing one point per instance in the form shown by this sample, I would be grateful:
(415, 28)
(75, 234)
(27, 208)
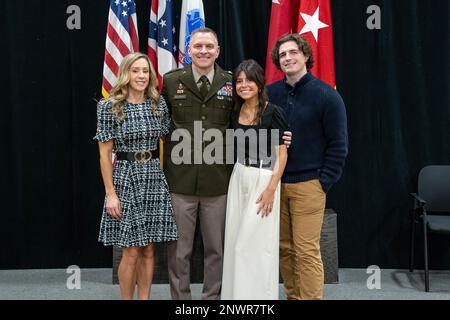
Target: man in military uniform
(198, 92)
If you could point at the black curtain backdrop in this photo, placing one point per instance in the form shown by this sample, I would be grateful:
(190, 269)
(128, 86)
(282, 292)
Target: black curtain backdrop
(394, 81)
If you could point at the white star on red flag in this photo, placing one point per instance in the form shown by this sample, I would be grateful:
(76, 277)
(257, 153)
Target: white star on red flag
(312, 24)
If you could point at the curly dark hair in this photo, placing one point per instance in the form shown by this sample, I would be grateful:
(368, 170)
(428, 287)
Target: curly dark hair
(254, 72)
(302, 44)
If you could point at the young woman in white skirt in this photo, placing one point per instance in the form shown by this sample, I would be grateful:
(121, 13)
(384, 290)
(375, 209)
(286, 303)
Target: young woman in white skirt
(250, 269)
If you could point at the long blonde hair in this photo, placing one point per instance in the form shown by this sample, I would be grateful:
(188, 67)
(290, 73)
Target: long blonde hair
(119, 93)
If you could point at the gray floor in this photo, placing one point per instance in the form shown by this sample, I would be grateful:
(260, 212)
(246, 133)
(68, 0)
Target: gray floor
(96, 285)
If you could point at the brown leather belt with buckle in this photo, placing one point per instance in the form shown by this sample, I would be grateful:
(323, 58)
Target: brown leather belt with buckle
(140, 156)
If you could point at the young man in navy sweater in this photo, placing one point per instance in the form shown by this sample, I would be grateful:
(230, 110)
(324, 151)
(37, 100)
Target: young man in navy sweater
(318, 122)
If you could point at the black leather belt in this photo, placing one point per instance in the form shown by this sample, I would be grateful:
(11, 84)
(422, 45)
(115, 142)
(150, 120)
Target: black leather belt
(249, 163)
(141, 156)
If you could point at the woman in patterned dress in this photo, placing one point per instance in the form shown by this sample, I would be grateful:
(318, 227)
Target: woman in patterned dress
(137, 210)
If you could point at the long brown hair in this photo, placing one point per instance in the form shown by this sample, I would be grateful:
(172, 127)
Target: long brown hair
(119, 93)
(255, 73)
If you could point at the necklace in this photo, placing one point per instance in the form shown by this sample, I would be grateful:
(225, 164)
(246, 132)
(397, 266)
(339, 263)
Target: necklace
(248, 114)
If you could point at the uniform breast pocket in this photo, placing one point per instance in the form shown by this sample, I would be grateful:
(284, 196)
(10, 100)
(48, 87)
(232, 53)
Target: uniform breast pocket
(182, 111)
(222, 111)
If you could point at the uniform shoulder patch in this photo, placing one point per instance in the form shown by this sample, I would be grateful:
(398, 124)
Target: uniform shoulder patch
(228, 74)
(173, 71)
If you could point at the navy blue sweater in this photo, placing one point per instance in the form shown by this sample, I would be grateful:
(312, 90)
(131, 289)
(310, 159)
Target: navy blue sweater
(318, 122)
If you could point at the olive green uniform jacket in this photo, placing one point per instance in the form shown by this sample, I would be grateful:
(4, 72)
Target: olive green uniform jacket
(186, 105)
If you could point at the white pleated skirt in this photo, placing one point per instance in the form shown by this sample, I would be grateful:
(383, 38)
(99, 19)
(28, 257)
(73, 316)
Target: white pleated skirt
(250, 265)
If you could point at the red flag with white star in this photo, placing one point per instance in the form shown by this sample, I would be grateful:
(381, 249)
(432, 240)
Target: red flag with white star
(283, 20)
(315, 25)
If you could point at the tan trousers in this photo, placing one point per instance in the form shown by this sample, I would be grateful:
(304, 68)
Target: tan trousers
(211, 213)
(301, 218)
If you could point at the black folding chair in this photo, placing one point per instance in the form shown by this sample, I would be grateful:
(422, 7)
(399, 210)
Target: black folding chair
(431, 208)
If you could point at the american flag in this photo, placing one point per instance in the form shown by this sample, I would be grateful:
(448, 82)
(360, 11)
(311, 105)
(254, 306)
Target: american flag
(121, 39)
(161, 48)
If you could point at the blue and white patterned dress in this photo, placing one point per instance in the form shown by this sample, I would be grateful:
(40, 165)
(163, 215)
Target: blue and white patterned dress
(147, 215)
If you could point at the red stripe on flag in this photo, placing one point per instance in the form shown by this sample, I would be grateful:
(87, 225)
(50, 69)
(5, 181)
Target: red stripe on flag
(106, 84)
(161, 54)
(117, 40)
(154, 6)
(112, 64)
(121, 40)
(151, 51)
(133, 35)
(152, 55)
